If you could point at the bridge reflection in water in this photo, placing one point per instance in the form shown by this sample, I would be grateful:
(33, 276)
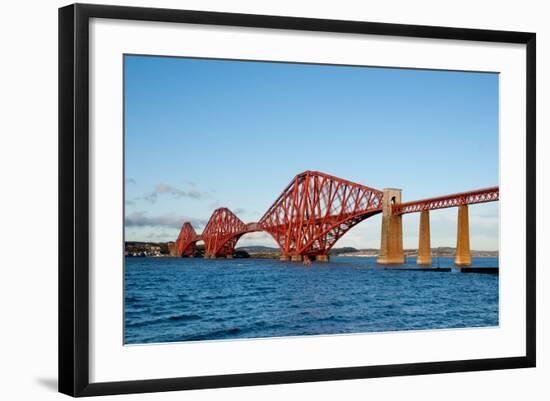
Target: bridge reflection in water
(316, 209)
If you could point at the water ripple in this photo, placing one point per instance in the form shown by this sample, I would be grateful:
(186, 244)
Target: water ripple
(170, 299)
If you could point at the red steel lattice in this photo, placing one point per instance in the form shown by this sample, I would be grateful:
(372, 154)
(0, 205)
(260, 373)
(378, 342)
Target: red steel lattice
(222, 233)
(187, 238)
(441, 202)
(316, 210)
(313, 212)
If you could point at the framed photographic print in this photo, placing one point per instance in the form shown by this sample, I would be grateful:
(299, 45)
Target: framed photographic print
(250, 199)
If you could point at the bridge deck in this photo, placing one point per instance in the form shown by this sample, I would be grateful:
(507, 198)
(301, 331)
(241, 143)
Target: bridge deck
(464, 198)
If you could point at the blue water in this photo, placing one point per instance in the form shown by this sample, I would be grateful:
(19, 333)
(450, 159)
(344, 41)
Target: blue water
(174, 299)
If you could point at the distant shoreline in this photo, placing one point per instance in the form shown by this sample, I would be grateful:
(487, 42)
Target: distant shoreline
(412, 256)
(342, 255)
(161, 249)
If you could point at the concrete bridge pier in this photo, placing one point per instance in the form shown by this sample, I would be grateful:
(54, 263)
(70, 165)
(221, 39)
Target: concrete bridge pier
(297, 258)
(424, 247)
(172, 249)
(463, 255)
(285, 258)
(322, 258)
(391, 244)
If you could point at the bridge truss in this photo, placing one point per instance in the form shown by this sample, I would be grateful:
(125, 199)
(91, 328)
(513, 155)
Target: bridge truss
(311, 214)
(464, 198)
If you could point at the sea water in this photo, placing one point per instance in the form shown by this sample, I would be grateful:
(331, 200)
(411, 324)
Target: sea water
(193, 299)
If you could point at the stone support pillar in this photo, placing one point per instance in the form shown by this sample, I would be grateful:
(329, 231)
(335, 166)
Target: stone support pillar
(463, 254)
(424, 246)
(391, 243)
(172, 249)
(322, 258)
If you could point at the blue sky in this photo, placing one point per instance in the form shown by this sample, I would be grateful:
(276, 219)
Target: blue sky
(201, 134)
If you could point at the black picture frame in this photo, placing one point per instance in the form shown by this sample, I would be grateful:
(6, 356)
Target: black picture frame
(74, 198)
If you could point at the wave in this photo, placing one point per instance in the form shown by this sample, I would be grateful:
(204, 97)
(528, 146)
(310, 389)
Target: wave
(184, 317)
(216, 334)
(146, 322)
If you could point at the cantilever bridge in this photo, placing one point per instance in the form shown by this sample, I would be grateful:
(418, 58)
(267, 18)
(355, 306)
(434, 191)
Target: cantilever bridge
(316, 209)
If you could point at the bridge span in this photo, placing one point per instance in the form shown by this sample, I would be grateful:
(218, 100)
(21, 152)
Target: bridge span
(316, 209)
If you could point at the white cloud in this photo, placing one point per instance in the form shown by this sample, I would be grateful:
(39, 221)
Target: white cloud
(165, 189)
(140, 219)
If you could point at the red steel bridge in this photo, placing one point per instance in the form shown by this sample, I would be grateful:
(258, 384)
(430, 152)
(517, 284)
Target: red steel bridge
(316, 209)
